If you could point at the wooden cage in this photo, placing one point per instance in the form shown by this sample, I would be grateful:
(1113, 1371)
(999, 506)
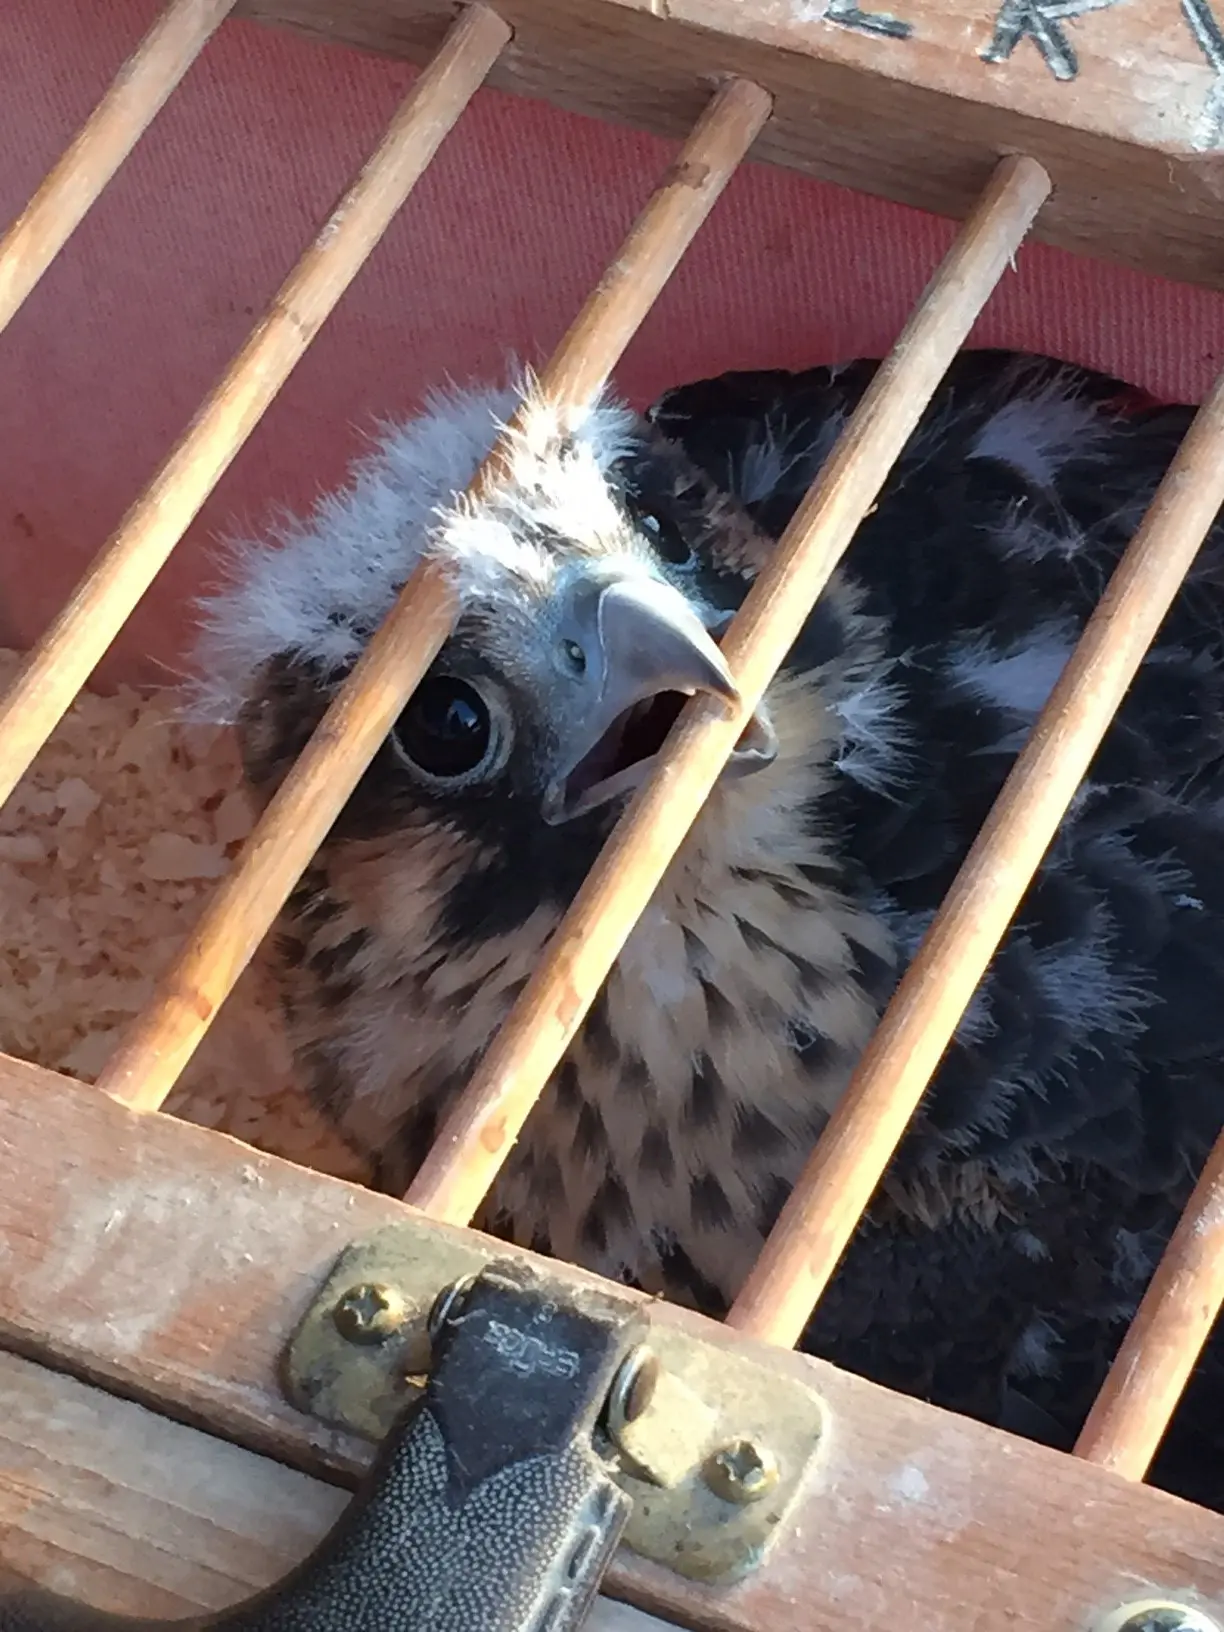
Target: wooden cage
(111, 1215)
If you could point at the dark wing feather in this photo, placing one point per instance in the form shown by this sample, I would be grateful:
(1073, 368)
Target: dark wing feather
(1088, 1067)
(1098, 1031)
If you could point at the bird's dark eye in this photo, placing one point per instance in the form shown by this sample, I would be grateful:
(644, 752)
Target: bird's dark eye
(666, 537)
(446, 729)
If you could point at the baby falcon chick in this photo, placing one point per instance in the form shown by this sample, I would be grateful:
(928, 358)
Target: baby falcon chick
(1022, 1217)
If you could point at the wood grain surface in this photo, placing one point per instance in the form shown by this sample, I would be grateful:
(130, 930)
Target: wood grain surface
(171, 1264)
(118, 1507)
(1122, 101)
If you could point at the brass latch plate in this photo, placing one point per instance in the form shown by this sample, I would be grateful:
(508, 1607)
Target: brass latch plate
(712, 1446)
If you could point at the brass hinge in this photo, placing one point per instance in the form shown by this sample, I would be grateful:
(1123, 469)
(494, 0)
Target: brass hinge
(712, 1447)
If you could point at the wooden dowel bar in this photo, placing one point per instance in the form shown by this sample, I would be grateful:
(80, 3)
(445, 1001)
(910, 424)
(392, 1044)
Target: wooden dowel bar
(1182, 1302)
(129, 107)
(479, 1133)
(147, 1062)
(163, 1037)
(818, 1220)
(617, 306)
(67, 654)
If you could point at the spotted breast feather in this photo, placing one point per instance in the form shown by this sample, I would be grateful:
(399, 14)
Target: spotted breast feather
(1015, 1230)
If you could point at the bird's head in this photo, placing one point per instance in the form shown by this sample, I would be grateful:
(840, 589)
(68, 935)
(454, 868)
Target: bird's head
(594, 582)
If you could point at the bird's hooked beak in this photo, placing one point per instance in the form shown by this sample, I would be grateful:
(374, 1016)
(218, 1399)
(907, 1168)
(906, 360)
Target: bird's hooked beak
(640, 650)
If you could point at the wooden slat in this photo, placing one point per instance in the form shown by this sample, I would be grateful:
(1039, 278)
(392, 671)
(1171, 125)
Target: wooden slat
(146, 1064)
(823, 1210)
(115, 1506)
(118, 1507)
(480, 1132)
(1153, 1366)
(173, 1263)
(1132, 140)
(129, 107)
(66, 655)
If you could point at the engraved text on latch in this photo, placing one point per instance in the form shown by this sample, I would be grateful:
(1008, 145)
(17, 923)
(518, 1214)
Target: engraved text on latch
(527, 1354)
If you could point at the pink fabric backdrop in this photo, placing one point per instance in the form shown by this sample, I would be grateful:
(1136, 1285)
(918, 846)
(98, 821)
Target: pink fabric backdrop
(103, 367)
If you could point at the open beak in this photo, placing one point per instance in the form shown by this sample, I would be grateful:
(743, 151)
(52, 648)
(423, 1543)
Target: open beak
(646, 651)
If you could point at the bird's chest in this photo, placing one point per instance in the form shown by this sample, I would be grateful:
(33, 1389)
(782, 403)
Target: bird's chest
(670, 1133)
(666, 1141)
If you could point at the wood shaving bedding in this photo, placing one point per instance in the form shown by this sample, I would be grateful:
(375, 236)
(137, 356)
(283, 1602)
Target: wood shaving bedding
(110, 847)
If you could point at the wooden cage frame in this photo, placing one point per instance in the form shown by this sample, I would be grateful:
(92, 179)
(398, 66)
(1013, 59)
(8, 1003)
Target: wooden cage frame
(147, 1275)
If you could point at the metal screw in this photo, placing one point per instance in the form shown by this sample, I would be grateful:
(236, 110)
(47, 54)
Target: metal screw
(1158, 1615)
(742, 1471)
(632, 1390)
(369, 1313)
